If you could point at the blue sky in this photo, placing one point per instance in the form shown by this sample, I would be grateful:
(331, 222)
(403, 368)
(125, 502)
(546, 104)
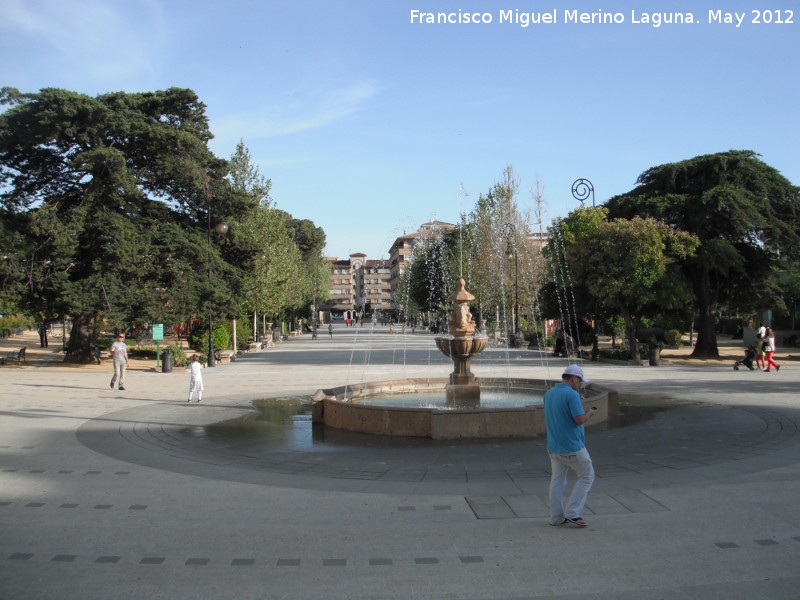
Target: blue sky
(369, 124)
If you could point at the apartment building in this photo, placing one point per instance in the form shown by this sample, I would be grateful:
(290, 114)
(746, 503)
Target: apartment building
(360, 288)
(402, 249)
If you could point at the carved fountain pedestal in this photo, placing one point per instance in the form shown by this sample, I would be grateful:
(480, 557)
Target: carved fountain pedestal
(461, 345)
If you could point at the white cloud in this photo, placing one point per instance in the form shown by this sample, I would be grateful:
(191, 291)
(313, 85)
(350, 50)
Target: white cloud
(98, 42)
(301, 111)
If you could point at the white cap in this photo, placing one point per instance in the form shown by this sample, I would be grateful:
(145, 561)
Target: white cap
(577, 371)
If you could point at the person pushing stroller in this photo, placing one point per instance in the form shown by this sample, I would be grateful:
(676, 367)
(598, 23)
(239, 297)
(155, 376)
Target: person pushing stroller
(747, 361)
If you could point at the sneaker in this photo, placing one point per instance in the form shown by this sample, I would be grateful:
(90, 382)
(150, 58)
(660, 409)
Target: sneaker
(112, 385)
(577, 521)
(121, 389)
(778, 368)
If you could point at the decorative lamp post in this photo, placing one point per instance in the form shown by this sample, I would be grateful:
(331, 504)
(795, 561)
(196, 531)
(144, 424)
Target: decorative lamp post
(511, 250)
(581, 190)
(221, 228)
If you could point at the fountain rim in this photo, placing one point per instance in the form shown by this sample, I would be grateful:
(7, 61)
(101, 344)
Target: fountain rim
(339, 408)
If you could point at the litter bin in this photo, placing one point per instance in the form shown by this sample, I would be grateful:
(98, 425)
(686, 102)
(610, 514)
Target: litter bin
(166, 361)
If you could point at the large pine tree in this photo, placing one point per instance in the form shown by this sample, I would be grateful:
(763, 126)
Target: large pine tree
(110, 197)
(747, 217)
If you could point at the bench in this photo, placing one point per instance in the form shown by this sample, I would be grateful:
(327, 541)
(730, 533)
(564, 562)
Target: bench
(225, 356)
(18, 356)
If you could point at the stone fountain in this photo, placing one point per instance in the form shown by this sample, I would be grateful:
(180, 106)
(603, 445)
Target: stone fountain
(367, 407)
(461, 345)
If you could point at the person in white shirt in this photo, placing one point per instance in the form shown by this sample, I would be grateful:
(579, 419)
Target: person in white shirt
(769, 351)
(195, 379)
(119, 352)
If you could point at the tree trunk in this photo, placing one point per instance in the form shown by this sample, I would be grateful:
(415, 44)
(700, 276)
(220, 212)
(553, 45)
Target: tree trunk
(706, 346)
(630, 325)
(79, 349)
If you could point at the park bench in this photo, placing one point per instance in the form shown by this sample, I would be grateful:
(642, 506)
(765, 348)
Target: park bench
(225, 356)
(18, 356)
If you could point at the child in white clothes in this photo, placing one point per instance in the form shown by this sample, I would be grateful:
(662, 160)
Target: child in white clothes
(195, 379)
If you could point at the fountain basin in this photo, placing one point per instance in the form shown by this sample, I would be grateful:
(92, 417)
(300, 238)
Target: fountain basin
(343, 408)
(461, 347)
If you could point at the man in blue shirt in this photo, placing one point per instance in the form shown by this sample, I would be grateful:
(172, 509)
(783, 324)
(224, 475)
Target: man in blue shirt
(564, 417)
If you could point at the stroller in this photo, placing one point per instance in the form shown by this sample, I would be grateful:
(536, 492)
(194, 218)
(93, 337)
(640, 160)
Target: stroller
(747, 361)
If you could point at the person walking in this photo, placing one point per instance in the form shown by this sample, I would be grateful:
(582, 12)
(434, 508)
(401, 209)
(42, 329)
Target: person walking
(769, 350)
(330, 330)
(760, 363)
(43, 327)
(566, 445)
(119, 352)
(195, 379)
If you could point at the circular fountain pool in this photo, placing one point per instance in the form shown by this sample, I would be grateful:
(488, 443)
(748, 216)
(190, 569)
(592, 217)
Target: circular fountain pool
(382, 408)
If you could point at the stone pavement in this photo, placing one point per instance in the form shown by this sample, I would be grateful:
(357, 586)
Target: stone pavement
(137, 494)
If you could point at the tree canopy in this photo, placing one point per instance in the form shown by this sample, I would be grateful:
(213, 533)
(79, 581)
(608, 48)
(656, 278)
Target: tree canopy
(746, 216)
(627, 267)
(107, 204)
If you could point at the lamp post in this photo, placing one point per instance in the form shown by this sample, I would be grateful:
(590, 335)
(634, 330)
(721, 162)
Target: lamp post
(220, 229)
(581, 190)
(511, 250)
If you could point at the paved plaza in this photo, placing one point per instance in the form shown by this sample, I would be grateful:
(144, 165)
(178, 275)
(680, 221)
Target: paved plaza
(137, 494)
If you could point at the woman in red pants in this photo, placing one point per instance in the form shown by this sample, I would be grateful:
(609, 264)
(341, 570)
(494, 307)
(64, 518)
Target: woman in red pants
(769, 350)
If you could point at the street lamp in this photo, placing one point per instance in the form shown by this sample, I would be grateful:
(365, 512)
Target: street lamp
(581, 190)
(221, 228)
(511, 250)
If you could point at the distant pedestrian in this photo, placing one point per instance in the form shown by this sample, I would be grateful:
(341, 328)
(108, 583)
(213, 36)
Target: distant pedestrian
(43, 329)
(760, 354)
(195, 379)
(119, 352)
(566, 445)
(330, 330)
(97, 353)
(769, 350)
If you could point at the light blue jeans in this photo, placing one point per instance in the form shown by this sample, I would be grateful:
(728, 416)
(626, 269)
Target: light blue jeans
(561, 464)
(119, 373)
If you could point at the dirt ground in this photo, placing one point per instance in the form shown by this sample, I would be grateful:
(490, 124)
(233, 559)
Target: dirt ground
(52, 356)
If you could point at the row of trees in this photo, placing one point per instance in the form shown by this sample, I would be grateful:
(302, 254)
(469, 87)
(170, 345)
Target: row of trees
(716, 234)
(490, 249)
(106, 206)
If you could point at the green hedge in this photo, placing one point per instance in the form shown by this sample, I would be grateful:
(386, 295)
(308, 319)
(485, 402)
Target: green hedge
(198, 339)
(673, 337)
(179, 358)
